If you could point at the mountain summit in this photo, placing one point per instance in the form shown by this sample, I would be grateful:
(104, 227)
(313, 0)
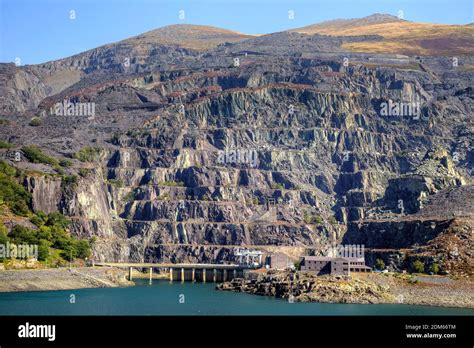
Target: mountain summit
(328, 27)
(188, 36)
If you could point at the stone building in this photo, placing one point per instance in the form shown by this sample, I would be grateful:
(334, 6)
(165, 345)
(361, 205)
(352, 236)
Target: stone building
(333, 265)
(279, 261)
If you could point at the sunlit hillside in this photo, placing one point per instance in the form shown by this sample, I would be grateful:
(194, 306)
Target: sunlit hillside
(399, 36)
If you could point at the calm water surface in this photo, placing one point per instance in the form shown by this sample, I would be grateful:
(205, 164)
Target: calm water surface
(165, 298)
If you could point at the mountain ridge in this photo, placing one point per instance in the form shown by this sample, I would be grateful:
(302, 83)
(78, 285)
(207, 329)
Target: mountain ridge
(203, 37)
(191, 36)
(399, 35)
(375, 18)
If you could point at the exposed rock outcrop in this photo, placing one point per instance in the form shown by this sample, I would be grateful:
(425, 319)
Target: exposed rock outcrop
(274, 140)
(306, 287)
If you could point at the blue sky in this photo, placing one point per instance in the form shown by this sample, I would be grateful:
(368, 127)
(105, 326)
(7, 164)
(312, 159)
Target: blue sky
(37, 31)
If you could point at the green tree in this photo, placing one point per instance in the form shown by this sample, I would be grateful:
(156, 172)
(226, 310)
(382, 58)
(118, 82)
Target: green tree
(60, 238)
(69, 250)
(83, 249)
(434, 268)
(379, 264)
(43, 249)
(3, 234)
(57, 219)
(22, 235)
(12, 194)
(39, 219)
(44, 232)
(417, 267)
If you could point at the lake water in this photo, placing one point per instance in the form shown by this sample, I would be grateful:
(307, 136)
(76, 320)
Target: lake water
(165, 298)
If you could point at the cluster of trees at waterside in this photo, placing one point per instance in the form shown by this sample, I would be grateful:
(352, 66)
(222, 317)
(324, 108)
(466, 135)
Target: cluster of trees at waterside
(48, 231)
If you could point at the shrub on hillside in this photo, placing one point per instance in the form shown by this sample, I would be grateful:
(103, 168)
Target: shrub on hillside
(87, 154)
(12, 194)
(379, 264)
(417, 267)
(35, 155)
(35, 122)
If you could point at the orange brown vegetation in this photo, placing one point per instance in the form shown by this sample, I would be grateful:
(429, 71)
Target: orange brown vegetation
(403, 37)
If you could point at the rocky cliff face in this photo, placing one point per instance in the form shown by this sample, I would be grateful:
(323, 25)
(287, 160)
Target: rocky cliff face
(20, 89)
(46, 193)
(284, 140)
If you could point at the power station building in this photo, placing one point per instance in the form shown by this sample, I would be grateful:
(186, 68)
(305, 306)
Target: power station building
(333, 265)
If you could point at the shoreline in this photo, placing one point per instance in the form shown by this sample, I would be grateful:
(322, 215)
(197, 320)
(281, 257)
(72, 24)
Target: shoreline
(368, 288)
(53, 279)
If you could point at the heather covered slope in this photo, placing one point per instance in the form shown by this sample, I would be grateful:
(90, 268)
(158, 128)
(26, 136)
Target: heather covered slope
(399, 36)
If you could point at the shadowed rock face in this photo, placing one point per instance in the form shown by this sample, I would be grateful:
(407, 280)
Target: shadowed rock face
(275, 140)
